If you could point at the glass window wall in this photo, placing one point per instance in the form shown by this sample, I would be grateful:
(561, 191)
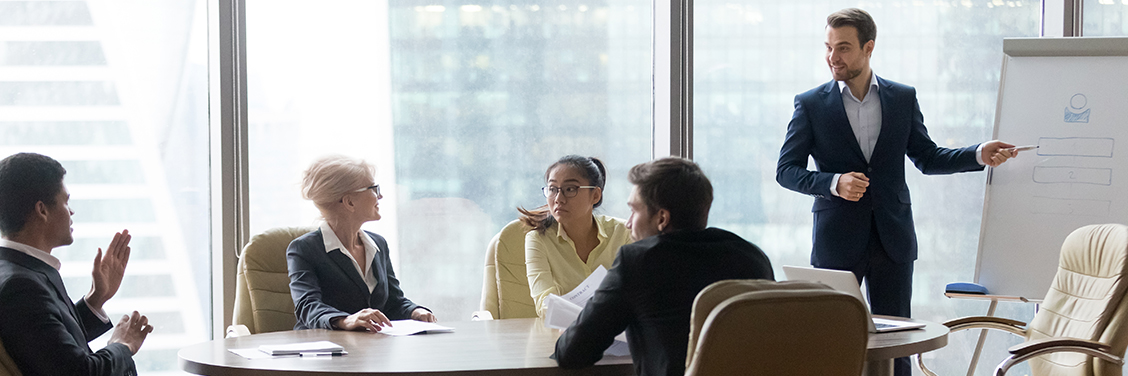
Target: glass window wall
(460, 104)
(1104, 18)
(117, 91)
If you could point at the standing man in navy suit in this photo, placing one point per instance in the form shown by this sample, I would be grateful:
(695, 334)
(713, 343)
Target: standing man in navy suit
(858, 128)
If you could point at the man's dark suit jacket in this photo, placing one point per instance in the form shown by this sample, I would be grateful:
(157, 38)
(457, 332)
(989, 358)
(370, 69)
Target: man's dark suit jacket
(325, 285)
(819, 128)
(43, 331)
(649, 291)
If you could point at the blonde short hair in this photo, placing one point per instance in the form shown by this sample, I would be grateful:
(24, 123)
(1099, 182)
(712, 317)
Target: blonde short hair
(332, 177)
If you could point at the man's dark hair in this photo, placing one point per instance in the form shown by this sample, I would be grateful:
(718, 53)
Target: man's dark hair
(677, 185)
(25, 179)
(857, 18)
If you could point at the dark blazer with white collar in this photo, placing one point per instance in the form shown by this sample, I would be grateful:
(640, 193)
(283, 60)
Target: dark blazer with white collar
(43, 331)
(819, 128)
(325, 285)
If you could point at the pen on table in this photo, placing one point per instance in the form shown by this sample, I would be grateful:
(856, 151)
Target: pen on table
(1023, 148)
(322, 353)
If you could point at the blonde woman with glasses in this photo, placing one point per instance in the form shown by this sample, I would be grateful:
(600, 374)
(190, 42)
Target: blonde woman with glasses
(341, 276)
(568, 242)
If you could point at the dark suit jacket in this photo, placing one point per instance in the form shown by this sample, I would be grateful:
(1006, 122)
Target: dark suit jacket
(649, 291)
(819, 128)
(326, 285)
(43, 331)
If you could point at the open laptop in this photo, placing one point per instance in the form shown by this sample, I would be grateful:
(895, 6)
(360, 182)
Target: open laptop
(846, 282)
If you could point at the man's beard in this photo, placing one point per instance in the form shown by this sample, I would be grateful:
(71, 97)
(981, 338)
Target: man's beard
(850, 75)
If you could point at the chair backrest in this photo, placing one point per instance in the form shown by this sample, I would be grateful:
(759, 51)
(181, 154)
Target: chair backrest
(262, 284)
(505, 289)
(776, 328)
(1085, 300)
(7, 365)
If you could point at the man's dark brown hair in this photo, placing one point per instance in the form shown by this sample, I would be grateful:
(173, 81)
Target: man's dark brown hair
(677, 185)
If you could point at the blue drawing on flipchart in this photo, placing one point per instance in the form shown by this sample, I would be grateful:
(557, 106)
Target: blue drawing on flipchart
(1076, 112)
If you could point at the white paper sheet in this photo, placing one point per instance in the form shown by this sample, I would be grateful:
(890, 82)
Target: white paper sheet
(252, 353)
(301, 347)
(409, 327)
(582, 293)
(561, 312)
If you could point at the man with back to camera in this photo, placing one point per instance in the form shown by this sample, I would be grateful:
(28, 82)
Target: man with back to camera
(42, 330)
(650, 288)
(859, 127)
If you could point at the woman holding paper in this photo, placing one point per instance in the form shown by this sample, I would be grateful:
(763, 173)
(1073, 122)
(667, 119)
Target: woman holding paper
(341, 276)
(568, 242)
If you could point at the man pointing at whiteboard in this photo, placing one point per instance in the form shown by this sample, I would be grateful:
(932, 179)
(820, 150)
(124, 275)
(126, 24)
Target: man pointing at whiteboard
(858, 128)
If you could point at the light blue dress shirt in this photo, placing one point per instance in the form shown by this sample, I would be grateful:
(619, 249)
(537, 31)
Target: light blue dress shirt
(865, 119)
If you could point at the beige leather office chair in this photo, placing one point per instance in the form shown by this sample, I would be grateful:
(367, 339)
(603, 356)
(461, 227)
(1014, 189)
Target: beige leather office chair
(7, 365)
(1081, 327)
(262, 283)
(505, 288)
(758, 327)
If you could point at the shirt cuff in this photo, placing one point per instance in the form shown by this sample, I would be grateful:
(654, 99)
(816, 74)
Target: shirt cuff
(100, 314)
(979, 154)
(834, 185)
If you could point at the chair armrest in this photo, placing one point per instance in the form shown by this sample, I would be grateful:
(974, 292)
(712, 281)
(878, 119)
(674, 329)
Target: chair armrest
(1039, 344)
(987, 322)
(978, 322)
(979, 319)
(1024, 351)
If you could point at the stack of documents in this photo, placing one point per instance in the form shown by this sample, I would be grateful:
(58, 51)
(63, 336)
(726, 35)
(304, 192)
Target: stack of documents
(303, 348)
(409, 327)
(561, 311)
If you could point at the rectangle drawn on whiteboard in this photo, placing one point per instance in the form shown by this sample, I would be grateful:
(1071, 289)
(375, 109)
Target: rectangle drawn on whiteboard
(1085, 208)
(1072, 175)
(1076, 146)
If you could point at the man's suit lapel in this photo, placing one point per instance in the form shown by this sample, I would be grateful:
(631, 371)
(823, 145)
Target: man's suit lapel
(839, 124)
(887, 120)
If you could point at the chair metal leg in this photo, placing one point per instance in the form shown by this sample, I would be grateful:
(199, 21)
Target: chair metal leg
(925, 370)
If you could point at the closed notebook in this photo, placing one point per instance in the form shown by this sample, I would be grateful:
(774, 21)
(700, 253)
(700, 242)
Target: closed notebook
(302, 347)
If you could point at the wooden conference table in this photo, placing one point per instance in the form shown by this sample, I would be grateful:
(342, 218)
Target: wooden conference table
(494, 347)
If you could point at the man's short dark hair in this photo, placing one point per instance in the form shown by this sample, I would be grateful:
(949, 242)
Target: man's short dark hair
(857, 18)
(25, 179)
(677, 185)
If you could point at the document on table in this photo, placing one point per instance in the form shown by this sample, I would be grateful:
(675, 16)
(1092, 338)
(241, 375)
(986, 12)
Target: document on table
(251, 353)
(302, 347)
(561, 312)
(409, 327)
(255, 353)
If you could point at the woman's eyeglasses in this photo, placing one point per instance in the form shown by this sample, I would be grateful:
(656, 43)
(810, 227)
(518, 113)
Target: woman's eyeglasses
(569, 191)
(374, 188)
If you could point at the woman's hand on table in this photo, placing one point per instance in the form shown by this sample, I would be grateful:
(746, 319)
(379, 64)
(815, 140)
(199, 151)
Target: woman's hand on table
(422, 314)
(368, 319)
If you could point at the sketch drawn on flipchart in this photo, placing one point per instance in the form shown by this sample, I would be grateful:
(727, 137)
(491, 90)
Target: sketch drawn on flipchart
(1076, 112)
(1072, 175)
(1065, 206)
(1064, 173)
(1100, 147)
